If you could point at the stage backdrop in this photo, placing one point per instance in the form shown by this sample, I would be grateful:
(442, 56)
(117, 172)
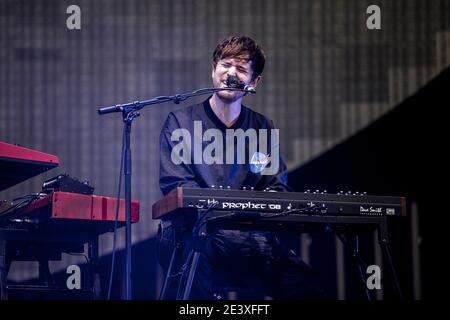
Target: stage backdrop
(327, 76)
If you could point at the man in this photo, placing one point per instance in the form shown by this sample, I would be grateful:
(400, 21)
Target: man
(252, 260)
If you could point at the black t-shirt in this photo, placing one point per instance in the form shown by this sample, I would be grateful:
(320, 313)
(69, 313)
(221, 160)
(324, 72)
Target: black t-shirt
(198, 150)
(198, 121)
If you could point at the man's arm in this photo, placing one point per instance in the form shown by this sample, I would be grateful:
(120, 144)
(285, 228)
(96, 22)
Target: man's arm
(172, 175)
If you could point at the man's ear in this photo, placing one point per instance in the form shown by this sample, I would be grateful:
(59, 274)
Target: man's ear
(256, 81)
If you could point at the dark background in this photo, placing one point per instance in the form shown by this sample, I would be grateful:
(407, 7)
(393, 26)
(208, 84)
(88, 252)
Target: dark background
(327, 79)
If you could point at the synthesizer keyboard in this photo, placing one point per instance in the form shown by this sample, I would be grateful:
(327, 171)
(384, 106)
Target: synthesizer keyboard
(278, 202)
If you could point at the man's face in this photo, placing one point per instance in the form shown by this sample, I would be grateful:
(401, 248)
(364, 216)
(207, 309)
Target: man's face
(233, 66)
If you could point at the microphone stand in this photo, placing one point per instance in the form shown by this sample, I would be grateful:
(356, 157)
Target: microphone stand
(130, 111)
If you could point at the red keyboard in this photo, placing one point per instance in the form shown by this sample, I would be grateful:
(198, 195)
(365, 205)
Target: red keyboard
(18, 164)
(69, 206)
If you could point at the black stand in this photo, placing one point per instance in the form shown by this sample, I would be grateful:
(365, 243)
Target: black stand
(297, 223)
(3, 270)
(383, 240)
(128, 119)
(129, 112)
(197, 243)
(187, 268)
(190, 278)
(175, 251)
(52, 239)
(359, 262)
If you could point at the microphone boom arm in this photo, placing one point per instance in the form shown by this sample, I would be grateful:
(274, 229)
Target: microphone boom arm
(177, 98)
(130, 112)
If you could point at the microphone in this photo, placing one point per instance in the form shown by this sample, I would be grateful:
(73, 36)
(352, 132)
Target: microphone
(234, 82)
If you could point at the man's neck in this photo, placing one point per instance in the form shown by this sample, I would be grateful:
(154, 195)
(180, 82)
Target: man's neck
(228, 113)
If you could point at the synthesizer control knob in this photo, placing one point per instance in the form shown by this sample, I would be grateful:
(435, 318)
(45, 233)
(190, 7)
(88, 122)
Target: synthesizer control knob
(220, 187)
(228, 187)
(341, 192)
(252, 188)
(244, 188)
(213, 186)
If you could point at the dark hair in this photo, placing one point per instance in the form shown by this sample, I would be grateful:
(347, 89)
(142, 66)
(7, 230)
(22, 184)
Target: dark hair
(241, 47)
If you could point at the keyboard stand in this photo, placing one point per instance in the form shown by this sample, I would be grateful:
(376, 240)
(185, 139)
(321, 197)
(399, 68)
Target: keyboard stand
(293, 222)
(51, 243)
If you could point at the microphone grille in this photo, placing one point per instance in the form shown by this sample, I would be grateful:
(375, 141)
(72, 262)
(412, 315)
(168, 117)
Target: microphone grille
(234, 82)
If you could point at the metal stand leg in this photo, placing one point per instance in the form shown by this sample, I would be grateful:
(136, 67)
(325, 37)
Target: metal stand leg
(190, 279)
(95, 275)
(384, 244)
(196, 245)
(3, 271)
(44, 272)
(169, 274)
(359, 262)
